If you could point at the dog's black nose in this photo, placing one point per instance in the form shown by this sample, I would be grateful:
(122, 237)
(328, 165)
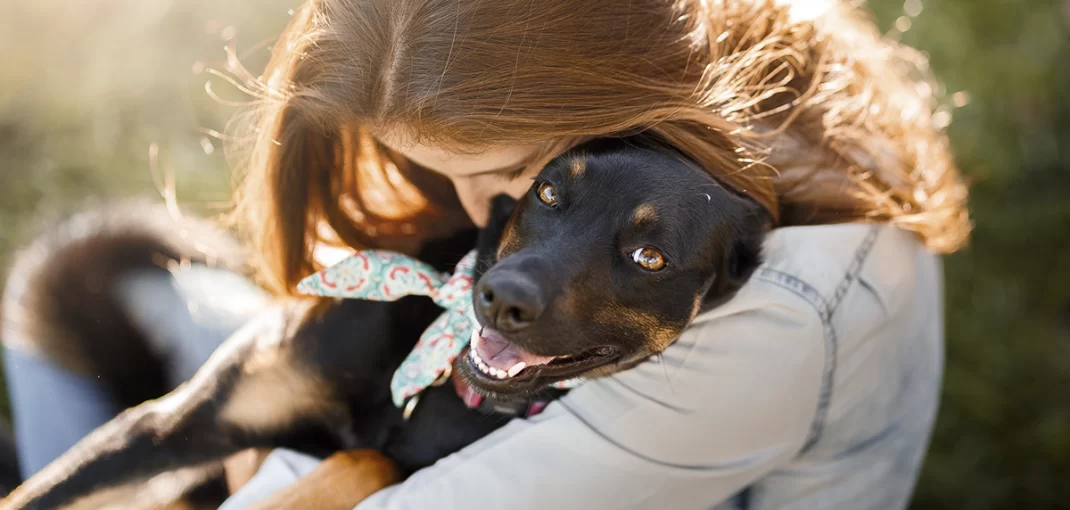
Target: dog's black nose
(509, 301)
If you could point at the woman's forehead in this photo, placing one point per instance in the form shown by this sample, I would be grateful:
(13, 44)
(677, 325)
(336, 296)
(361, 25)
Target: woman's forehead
(460, 163)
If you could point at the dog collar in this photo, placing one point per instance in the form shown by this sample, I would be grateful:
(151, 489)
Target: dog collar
(380, 275)
(516, 408)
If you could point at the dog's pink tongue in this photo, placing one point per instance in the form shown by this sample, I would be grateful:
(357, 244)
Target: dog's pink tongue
(497, 352)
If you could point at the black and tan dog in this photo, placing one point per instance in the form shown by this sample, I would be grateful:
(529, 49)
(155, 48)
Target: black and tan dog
(609, 257)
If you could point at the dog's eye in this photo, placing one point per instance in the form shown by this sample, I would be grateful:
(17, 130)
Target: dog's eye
(648, 258)
(547, 194)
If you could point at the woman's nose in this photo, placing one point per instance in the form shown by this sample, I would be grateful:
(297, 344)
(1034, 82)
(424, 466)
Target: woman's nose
(475, 194)
(475, 200)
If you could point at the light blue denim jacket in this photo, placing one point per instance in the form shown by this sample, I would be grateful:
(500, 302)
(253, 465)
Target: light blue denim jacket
(816, 387)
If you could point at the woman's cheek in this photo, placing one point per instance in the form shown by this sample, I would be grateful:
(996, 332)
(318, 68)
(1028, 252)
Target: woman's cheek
(474, 202)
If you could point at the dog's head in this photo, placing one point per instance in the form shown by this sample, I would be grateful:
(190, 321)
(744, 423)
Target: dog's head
(603, 263)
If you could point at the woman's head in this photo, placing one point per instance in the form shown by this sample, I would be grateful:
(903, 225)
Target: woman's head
(476, 178)
(371, 109)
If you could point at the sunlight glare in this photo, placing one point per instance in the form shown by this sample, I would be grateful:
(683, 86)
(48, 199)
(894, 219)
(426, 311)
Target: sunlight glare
(807, 10)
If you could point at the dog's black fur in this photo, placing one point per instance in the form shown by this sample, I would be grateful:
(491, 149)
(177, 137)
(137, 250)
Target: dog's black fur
(316, 376)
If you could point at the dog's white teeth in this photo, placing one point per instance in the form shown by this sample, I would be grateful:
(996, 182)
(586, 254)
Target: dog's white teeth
(483, 367)
(517, 368)
(473, 354)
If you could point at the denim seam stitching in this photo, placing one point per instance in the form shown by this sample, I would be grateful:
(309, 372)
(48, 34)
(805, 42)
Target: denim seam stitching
(861, 254)
(825, 310)
(812, 296)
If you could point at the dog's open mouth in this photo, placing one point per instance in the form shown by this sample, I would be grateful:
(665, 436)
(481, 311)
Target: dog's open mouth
(496, 360)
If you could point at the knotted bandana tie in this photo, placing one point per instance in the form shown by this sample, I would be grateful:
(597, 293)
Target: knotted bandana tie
(387, 276)
(380, 275)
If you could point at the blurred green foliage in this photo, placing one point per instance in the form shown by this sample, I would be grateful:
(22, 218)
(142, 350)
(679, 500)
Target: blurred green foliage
(105, 99)
(1003, 433)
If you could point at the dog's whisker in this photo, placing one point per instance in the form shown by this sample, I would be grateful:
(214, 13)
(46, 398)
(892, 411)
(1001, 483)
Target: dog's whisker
(665, 371)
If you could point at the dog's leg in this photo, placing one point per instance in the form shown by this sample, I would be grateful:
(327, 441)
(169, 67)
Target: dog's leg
(252, 389)
(242, 466)
(340, 482)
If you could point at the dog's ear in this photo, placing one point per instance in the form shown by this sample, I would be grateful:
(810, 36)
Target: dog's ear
(743, 257)
(501, 208)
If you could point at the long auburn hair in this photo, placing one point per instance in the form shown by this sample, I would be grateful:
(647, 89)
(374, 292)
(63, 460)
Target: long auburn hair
(817, 117)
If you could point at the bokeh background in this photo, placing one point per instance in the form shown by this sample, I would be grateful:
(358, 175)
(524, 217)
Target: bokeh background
(107, 98)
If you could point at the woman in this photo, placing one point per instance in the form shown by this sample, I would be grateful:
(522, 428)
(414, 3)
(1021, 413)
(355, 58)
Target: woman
(816, 386)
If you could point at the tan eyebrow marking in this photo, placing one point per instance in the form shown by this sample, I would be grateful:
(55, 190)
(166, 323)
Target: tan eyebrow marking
(577, 167)
(645, 213)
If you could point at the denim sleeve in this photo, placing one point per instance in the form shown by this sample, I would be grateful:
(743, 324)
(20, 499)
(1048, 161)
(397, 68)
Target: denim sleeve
(734, 398)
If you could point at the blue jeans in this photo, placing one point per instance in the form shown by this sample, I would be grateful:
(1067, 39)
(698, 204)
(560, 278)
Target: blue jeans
(189, 313)
(52, 408)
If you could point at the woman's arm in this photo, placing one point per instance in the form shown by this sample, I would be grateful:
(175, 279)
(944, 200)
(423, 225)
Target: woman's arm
(732, 400)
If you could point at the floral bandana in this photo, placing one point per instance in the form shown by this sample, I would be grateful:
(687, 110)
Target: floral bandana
(380, 275)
